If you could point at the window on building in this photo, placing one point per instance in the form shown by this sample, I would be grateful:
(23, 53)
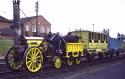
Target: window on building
(42, 29)
(33, 28)
(47, 30)
(27, 28)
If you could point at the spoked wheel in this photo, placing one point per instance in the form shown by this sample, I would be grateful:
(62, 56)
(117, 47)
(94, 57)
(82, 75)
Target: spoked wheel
(69, 61)
(77, 61)
(33, 59)
(13, 59)
(57, 62)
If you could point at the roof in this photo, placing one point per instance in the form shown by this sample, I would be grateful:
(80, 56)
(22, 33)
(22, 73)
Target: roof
(2, 19)
(24, 20)
(87, 31)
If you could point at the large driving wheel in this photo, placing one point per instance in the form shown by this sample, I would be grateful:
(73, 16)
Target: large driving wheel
(13, 59)
(57, 62)
(33, 59)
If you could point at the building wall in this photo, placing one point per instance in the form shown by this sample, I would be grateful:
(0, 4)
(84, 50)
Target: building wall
(30, 28)
(4, 25)
(27, 28)
(5, 28)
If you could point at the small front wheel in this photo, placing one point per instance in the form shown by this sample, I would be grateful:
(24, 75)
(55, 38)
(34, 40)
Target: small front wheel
(57, 62)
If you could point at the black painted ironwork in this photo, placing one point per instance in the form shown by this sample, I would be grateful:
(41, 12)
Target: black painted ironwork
(16, 22)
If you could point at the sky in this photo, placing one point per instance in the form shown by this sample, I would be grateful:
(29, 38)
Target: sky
(69, 15)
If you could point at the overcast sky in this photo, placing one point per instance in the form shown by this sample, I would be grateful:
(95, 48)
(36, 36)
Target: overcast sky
(74, 14)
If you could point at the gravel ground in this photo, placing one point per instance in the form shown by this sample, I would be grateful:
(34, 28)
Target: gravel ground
(84, 70)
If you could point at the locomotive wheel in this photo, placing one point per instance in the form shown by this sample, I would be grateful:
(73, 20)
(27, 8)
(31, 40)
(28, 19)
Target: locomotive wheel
(12, 60)
(57, 62)
(77, 61)
(33, 59)
(69, 62)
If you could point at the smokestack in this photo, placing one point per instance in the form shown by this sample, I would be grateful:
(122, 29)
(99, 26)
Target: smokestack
(16, 22)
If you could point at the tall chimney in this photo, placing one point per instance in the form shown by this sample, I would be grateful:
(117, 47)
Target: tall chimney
(16, 22)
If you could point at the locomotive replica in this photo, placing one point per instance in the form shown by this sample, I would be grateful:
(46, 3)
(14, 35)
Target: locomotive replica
(53, 49)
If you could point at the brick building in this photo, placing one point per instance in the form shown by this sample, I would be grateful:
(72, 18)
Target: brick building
(28, 26)
(4, 26)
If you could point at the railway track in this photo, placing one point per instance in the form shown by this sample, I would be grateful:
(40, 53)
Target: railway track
(52, 73)
(2, 61)
(86, 67)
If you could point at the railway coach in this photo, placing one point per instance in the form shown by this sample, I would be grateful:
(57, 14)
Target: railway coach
(96, 44)
(100, 44)
(116, 46)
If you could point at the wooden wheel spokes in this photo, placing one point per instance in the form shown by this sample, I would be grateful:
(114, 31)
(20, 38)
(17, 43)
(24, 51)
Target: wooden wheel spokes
(12, 60)
(34, 60)
(15, 65)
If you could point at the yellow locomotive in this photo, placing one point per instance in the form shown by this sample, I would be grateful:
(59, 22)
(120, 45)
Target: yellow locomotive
(52, 49)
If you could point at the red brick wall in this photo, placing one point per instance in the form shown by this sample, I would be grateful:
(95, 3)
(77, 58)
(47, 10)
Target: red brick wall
(4, 25)
(5, 28)
(41, 22)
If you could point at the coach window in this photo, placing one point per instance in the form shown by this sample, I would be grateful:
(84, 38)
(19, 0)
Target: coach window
(102, 37)
(98, 36)
(106, 37)
(94, 36)
(90, 35)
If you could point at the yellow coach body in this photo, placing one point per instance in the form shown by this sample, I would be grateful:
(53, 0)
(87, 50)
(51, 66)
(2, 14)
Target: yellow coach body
(74, 49)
